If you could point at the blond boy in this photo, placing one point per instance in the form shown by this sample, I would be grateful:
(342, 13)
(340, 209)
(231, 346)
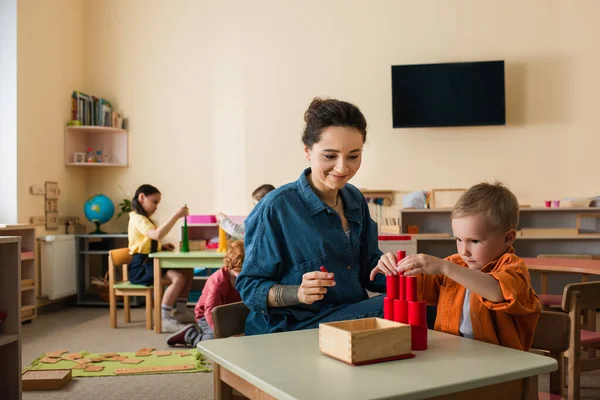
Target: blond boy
(484, 291)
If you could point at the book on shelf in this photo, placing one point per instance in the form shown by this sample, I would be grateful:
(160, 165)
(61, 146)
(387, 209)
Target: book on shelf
(94, 111)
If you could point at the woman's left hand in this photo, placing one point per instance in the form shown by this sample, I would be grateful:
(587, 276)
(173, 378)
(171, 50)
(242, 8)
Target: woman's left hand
(423, 264)
(168, 247)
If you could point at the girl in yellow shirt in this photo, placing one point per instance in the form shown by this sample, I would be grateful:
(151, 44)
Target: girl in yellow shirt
(144, 238)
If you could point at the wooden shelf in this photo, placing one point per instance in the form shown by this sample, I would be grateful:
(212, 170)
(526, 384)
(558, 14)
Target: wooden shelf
(112, 142)
(27, 287)
(7, 339)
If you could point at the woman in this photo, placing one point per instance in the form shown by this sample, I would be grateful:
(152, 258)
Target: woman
(319, 220)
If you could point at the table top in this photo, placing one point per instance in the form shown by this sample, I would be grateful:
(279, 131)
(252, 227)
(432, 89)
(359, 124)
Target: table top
(192, 254)
(290, 366)
(563, 265)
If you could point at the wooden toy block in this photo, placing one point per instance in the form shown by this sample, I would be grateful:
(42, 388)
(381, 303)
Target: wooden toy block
(71, 356)
(83, 360)
(183, 353)
(94, 368)
(142, 370)
(109, 354)
(56, 353)
(162, 353)
(526, 232)
(48, 360)
(132, 361)
(412, 229)
(80, 366)
(365, 341)
(46, 379)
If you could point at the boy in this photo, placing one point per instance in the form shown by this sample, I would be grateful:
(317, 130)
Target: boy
(237, 231)
(484, 292)
(218, 290)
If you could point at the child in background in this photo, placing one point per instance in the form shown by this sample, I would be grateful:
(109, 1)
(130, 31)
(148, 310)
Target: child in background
(237, 231)
(144, 238)
(219, 290)
(484, 292)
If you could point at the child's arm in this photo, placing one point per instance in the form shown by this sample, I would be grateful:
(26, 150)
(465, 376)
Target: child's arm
(478, 282)
(159, 233)
(213, 299)
(236, 231)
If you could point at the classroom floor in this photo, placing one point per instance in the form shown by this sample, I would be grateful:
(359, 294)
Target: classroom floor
(78, 329)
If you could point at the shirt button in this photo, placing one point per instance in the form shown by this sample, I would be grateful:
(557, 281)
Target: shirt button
(349, 267)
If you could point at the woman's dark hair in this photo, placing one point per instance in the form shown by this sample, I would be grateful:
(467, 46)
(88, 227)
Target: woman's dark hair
(323, 113)
(146, 190)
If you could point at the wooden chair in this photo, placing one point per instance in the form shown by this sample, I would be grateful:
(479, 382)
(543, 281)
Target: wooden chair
(552, 335)
(230, 319)
(121, 257)
(555, 300)
(578, 297)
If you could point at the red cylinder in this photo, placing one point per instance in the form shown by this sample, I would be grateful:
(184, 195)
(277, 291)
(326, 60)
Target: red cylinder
(417, 313)
(418, 338)
(411, 288)
(388, 309)
(401, 311)
(400, 254)
(402, 287)
(392, 286)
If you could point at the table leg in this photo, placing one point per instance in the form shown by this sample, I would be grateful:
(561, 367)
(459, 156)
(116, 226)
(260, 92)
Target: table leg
(157, 297)
(222, 390)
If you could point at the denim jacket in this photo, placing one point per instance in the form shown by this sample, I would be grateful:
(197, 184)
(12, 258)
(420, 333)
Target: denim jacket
(291, 232)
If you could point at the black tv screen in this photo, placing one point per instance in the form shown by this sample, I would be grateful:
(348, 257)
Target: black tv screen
(448, 94)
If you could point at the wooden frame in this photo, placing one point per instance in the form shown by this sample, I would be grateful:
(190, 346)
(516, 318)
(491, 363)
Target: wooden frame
(434, 200)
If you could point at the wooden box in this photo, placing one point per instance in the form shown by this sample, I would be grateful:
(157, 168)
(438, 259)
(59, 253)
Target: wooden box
(46, 379)
(365, 341)
(549, 232)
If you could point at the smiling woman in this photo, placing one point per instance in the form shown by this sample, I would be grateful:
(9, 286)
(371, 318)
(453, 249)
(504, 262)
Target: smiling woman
(318, 221)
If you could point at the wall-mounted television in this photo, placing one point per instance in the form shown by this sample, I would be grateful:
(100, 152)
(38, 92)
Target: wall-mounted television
(448, 94)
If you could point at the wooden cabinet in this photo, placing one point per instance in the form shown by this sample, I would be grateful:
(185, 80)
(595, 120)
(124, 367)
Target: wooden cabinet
(10, 327)
(29, 274)
(113, 143)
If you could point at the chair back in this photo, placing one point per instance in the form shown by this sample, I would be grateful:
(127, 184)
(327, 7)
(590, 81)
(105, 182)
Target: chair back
(230, 319)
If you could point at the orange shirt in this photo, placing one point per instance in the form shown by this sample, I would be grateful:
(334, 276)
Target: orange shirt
(510, 323)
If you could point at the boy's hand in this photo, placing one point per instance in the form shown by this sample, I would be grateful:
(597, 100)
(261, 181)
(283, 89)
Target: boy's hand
(386, 265)
(168, 247)
(314, 286)
(423, 264)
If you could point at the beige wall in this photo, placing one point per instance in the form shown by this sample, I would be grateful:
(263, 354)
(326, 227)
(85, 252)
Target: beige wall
(51, 59)
(215, 92)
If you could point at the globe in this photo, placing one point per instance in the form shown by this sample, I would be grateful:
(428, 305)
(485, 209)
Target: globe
(99, 209)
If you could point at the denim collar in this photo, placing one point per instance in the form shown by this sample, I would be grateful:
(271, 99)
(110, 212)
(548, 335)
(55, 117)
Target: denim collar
(314, 203)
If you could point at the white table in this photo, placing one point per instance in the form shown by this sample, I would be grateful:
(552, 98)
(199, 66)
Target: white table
(290, 366)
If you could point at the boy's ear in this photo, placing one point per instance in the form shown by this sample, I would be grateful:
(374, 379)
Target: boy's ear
(510, 237)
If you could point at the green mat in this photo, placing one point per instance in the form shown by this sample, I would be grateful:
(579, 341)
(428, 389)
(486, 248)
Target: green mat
(111, 366)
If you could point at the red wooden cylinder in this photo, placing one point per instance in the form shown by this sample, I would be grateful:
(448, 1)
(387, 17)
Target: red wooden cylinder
(411, 288)
(417, 313)
(418, 338)
(392, 286)
(388, 308)
(400, 254)
(402, 288)
(401, 311)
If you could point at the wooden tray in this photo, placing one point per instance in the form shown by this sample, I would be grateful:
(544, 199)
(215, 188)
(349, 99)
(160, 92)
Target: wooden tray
(46, 379)
(365, 341)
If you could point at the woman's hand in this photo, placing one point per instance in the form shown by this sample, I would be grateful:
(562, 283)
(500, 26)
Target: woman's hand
(182, 212)
(423, 264)
(386, 265)
(314, 286)
(168, 247)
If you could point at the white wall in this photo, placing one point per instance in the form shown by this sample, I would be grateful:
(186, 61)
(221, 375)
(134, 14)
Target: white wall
(8, 111)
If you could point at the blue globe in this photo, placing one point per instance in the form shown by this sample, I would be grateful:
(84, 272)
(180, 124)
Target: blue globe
(99, 209)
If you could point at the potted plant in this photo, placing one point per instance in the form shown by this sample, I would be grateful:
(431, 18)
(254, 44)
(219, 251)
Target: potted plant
(124, 205)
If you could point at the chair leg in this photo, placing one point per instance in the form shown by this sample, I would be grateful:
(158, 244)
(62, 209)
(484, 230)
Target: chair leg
(126, 309)
(149, 310)
(112, 299)
(557, 378)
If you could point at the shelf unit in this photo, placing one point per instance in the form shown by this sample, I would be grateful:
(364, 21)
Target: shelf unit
(113, 142)
(29, 272)
(438, 221)
(10, 328)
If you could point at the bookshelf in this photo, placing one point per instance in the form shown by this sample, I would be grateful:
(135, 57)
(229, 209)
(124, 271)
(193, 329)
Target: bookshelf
(10, 327)
(29, 276)
(113, 142)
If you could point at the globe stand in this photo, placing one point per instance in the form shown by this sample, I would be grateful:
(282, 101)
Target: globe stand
(97, 231)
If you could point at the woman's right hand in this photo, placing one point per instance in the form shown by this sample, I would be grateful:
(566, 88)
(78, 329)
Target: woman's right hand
(386, 265)
(182, 212)
(314, 286)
